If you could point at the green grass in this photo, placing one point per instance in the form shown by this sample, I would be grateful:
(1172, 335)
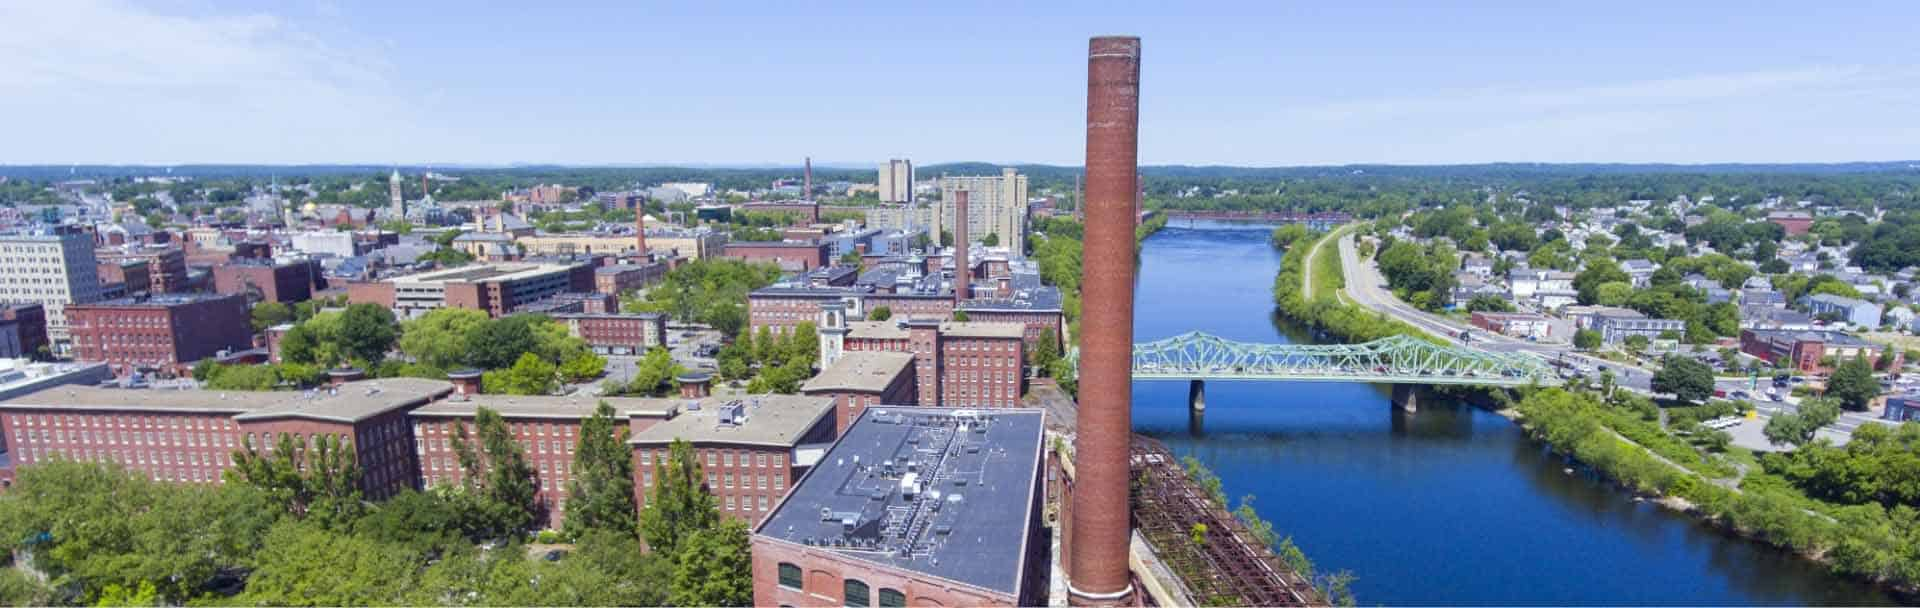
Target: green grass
(1328, 278)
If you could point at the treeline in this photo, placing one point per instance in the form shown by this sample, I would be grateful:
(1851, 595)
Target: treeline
(708, 291)
(1867, 539)
(289, 527)
(1328, 314)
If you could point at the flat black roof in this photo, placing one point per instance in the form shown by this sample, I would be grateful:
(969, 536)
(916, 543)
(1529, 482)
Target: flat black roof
(941, 491)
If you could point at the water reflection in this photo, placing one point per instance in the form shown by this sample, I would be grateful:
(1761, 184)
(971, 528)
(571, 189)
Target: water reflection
(1447, 505)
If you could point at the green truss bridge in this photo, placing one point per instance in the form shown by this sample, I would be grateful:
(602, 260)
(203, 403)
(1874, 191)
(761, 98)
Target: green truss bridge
(1402, 361)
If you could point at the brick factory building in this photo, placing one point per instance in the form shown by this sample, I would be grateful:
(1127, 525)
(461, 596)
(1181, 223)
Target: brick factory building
(621, 278)
(956, 364)
(617, 334)
(269, 281)
(864, 379)
(189, 436)
(135, 277)
(750, 449)
(789, 256)
(496, 289)
(913, 507)
(1807, 350)
(166, 333)
(166, 265)
(547, 429)
(784, 307)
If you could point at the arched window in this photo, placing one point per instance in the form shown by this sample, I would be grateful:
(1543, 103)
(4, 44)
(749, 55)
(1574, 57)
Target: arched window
(790, 575)
(857, 594)
(892, 598)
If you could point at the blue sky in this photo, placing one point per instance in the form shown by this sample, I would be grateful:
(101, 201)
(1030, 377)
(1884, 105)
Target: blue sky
(1254, 83)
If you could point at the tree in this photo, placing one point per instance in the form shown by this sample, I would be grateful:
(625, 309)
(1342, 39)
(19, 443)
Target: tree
(531, 375)
(1613, 293)
(440, 338)
(1853, 384)
(680, 503)
(880, 313)
(1586, 339)
(316, 478)
(1489, 303)
(653, 373)
(850, 258)
(1685, 377)
(1599, 271)
(510, 479)
(1045, 350)
(600, 496)
(501, 343)
(269, 314)
(961, 316)
(1637, 343)
(803, 343)
(582, 368)
(1798, 427)
(713, 568)
(367, 332)
(304, 565)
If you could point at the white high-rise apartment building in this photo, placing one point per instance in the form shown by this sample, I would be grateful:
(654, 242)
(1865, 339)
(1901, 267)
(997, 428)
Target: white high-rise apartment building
(996, 205)
(896, 181)
(51, 267)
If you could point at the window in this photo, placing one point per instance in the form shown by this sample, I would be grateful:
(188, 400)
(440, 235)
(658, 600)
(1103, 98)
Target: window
(790, 575)
(856, 593)
(892, 598)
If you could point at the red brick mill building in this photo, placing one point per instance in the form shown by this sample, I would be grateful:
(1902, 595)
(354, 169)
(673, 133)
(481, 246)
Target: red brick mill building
(163, 333)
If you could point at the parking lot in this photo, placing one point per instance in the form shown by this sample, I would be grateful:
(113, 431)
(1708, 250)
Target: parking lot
(686, 343)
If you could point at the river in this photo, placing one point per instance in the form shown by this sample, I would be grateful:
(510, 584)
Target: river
(1448, 506)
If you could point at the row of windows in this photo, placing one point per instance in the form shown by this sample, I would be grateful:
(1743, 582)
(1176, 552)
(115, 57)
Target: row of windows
(118, 421)
(855, 591)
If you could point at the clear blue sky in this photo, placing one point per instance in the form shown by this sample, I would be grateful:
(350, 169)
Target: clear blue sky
(1254, 83)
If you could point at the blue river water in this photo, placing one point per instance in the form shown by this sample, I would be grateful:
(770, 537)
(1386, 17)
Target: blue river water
(1451, 505)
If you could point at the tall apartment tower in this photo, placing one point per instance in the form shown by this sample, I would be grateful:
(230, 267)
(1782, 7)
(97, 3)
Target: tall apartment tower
(393, 191)
(998, 207)
(896, 181)
(53, 268)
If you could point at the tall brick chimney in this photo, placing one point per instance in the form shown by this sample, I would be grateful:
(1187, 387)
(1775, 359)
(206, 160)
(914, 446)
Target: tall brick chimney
(1101, 526)
(962, 272)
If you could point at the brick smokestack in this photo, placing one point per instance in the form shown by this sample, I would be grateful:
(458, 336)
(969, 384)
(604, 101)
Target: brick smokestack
(962, 271)
(806, 182)
(1097, 570)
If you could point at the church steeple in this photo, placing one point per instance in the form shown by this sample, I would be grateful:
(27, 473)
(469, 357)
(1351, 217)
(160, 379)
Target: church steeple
(399, 203)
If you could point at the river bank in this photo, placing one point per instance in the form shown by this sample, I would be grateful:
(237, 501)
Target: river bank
(1785, 521)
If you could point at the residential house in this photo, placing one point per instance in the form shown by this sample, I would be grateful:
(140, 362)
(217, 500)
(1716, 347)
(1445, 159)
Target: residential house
(1857, 312)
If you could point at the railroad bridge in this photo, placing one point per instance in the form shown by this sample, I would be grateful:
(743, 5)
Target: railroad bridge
(1403, 361)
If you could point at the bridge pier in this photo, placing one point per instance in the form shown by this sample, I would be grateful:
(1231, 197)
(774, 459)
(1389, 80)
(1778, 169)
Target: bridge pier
(1407, 397)
(1197, 395)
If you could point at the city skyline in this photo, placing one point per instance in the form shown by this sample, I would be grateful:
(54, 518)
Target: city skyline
(736, 85)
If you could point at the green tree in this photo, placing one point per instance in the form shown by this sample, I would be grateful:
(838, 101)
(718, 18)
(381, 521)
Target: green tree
(314, 477)
(501, 343)
(1853, 384)
(1613, 293)
(440, 338)
(713, 567)
(1489, 303)
(1686, 378)
(531, 375)
(367, 332)
(305, 565)
(961, 316)
(269, 314)
(880, 313)
(1599, 271)
(653, 374)
(992, 240)
(1637, 343)
(582, 368)
(803, 343)
(511, 483)
(1586, 339)
(1798, 427)
(680, 502)
(600, 496)
(1045, 351)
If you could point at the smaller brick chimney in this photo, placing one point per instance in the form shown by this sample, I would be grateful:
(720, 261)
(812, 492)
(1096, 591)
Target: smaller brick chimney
(466, 382)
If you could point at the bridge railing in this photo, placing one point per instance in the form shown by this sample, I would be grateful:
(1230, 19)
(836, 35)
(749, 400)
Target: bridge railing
(1396, 358)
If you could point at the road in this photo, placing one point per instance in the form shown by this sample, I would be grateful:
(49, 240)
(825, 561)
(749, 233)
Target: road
(1367, 288)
